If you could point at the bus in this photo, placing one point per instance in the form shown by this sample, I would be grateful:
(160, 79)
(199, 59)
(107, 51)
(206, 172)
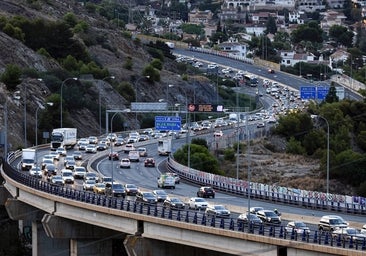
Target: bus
(250, 80)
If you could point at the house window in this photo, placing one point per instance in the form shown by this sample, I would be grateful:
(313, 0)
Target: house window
(288, 61)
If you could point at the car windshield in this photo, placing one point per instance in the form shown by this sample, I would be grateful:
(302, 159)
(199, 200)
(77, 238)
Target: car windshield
(130, 186)
(300, 225)
(270, 214)
(117, 186)
(66, 174)
(90, 182)
(160, 192)
(175, 200)
(100, 185)
(148, 194)
(335, 221)
(219, 207)
(352, 231)
(200, 200)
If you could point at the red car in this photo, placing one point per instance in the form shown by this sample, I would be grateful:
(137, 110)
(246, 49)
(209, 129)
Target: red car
(113, 156)
(149, 162)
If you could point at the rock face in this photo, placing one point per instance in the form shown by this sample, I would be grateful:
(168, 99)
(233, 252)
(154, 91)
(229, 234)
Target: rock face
(111, 53)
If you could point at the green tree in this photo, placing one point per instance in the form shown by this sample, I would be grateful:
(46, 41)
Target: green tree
(341, 35)
(294, 147)
(11, 76)
(156, 63)
(190, 28)
(14, 32)
(332, 95)
(70, 19)
(128, 63)
(151, 72)
(308, 32)
(271, 26)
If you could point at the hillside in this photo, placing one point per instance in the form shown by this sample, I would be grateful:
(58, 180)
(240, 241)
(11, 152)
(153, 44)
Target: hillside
(110, 48)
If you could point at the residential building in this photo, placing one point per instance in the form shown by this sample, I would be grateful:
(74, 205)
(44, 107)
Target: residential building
(233, 47)
(290, 58)
(332, 18)
(310, 5)
(200, 17)
(336, 4)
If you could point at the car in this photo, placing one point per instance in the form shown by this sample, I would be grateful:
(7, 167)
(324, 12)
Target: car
(125, 163)
(144, 137)
(88, 185)
(142, 151)
(99, 188)
(146, 197)
(119, 142)
(174, 203)
(160, 195)
(106, 180)
(77, 155)
(83, 145)
(149, 162)
(71, 164)
(298, 227)
(50, 169)
(134, 156)
(101, 146)
(255, 209)
(128, 147)
(57, 180)
(35, 171)
(271, 71)
(113, 155)
(260, 125)
(131, 189)
(197, 203)
(47, 157)
(93, 140)
(115, 190)
(91, 176)
(363, 230)
(133, 139)
(249, 218)
(79, 172)
(91, 148)
(217, 210)
(112, 137)
(347, 233)
(206, 192)
(218, 133)
(61, 151)
(55, 155)
(68, 158)
(67, 176)
(82, 141)
(176, 177)
(45, 163)
(269, 217)
(331, 223)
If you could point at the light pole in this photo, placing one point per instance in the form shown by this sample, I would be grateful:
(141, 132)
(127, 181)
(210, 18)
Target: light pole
(36, 128)
(112, 150)
(167, 94)
(100, 105)
(136, 83)
(237, 132)
(62, 85)
(327, 182)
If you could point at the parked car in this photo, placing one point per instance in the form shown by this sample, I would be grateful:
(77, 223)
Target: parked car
(131, 189)
(146, 197)
(269, 217)
(149, 162)
(249, 218)
(217, 210)
(160, 195)
(197, 203)
(174, 203)
(298, 227)
(115, 189)
(125, 163)
(348, 233)
(206, 192)
(113, 155)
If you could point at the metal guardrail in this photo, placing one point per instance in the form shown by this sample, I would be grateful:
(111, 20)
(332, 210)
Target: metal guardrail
(270, 193)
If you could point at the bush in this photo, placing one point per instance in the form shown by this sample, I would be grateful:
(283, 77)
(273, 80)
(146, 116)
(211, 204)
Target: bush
(11, 77)
(128, 63)
(229, 154)
(156, 63)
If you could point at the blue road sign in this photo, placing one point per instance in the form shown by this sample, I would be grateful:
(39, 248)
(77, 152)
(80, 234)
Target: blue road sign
(321, 92)
(307, 92)
(168, 123)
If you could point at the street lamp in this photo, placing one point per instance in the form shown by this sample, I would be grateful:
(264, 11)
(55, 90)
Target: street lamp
(112, 150)
(100, 105)
(167, 94)
(62, 85)
(36, 128)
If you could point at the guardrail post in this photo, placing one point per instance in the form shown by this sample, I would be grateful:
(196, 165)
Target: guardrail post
(271, 231)
(187, 217)
(203, 220)
(303, 237)
(156, 211)
(281, 232)
(326, 239)
(293, 234)
(178, 216)
(213, 221)
(351, 243)
(315, 237)
(163, 212)
(261, 228)
(222, 223)
(339, 242)
(148, 209)
(134, 206)
(141, 208)
(170, 214)
(364, 245)
(232, 225)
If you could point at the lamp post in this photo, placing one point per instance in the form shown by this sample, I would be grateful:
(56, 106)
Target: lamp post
(36, 128)
(100, 105)
(62, 85)
(167, 94)
(112, 149)
(136, 83)
(327, 182)
(237, 132)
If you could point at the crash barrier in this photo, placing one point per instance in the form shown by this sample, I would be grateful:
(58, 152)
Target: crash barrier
(274, 193)
(221, 54)
(184, 215)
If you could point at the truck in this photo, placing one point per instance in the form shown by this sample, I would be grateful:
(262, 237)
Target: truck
(171, 45)
(63, 137)
(164, 147)
(166, 181)
(28, 158)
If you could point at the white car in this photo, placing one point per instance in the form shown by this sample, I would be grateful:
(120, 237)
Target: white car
(61, 151)
(218, 134)
(125, 163)
(197, 203)
(35, 172)
(91, 148)
(363, 230)
(79, 172)
(67, 176)
(89, 185)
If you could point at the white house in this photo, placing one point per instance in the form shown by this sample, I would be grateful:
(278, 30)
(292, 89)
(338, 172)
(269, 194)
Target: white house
(290, 58)
(234, 48)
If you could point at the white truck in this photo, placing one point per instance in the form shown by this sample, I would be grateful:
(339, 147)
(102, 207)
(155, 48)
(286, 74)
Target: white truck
(164, 147)
(28, 158)
(63, 137)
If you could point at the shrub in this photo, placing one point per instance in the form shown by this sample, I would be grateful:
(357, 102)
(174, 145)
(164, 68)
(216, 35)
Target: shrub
(11, 76)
